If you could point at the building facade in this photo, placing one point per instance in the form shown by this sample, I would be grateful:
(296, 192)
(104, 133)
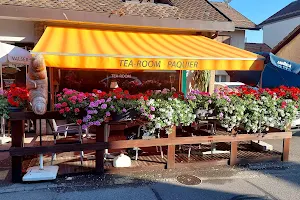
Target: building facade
(279, 25)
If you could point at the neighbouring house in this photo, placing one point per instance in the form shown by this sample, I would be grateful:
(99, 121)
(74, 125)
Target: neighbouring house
(279, 25)
(235, 38)
(289, 47)
(257, 47)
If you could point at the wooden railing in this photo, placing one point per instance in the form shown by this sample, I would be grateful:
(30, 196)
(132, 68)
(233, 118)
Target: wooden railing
(18, 150)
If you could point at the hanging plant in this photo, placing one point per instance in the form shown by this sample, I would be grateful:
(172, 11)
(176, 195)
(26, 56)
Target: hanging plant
(201, 79)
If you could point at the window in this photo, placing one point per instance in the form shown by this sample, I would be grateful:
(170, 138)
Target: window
(220, 78)
(224, 39)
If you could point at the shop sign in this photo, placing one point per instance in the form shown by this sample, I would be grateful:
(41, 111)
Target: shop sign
(121, 75)
(157, 64)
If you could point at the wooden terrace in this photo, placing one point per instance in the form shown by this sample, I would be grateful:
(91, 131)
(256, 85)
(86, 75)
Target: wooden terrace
(174, 148)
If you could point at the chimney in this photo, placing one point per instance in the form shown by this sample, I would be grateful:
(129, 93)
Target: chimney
(227, 2)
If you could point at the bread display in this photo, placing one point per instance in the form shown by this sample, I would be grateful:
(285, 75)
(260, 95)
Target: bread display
(37, 85)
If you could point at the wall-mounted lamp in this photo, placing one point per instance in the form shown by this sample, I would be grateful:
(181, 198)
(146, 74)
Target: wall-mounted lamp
(113, 85)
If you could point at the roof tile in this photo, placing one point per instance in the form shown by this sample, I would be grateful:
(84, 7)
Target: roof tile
(291, 10)
(182, 9)
(239, 20)
(257, 47)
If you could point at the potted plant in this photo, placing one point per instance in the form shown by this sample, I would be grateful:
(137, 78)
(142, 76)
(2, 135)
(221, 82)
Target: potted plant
(166, 108)
(71, 104)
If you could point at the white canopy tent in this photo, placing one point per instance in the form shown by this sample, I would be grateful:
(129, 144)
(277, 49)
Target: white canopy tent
(10, 54)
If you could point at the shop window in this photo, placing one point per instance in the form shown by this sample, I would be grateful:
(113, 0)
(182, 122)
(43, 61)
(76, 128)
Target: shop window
(220, 78)
(134, 82)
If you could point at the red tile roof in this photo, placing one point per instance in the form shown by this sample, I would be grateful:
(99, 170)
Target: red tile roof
(182, 9)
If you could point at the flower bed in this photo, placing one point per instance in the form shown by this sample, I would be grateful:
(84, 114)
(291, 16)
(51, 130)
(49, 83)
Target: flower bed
(244, 108)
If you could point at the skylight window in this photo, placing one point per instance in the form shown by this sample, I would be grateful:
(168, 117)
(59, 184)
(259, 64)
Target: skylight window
(169, 2)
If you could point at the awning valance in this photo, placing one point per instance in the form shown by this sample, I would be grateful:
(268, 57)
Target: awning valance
(111, 49)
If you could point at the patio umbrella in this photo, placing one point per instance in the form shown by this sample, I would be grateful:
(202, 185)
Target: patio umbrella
(10, 54)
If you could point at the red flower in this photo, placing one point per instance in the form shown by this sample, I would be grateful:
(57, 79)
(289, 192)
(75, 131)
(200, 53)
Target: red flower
(76, 110)
(17, 96)
(175, 95)
(67, 109)
(283, 104)
(61, 111)
(64, 104)
(145, 98)
(79, 121)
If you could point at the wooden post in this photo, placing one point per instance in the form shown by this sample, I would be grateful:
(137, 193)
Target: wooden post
(51, 83)
(211, 86)
(171, 150)
(286, 149)
(17, 134)
(100, 153)
(233, 153)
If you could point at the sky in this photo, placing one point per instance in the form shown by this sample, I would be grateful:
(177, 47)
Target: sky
(257, 11)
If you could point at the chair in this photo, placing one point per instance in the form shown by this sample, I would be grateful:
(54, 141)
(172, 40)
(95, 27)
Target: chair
(66, 129)
(209, 126)
(146, 135)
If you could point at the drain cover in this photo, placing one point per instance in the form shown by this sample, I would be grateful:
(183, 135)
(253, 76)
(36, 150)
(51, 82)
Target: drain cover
(250, 197)
(189, 180)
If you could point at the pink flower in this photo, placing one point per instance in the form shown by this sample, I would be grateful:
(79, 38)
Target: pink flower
(152, 108)
(61, 111)
(107, 114)
(103, 106)
(79, 121)
(58, 106)
(67, 109)
(76, 110)
(124, 110)
(64, 104)
(60, 99)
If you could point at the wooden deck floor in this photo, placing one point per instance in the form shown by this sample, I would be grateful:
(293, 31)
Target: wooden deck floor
(69, 162)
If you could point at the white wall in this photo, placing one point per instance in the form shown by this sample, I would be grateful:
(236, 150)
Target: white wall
(16, 31)
(275, 32)
(237, 38)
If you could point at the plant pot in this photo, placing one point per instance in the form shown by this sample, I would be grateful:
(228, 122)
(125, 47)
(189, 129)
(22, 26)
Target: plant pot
(15, 109)
(129, 115)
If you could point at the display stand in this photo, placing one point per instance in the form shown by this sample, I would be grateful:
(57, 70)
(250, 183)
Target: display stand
(41, 173)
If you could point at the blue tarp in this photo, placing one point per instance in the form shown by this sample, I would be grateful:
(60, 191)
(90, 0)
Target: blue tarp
(277, 71)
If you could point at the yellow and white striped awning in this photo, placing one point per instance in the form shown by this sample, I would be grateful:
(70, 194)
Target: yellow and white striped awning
(111, 49)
